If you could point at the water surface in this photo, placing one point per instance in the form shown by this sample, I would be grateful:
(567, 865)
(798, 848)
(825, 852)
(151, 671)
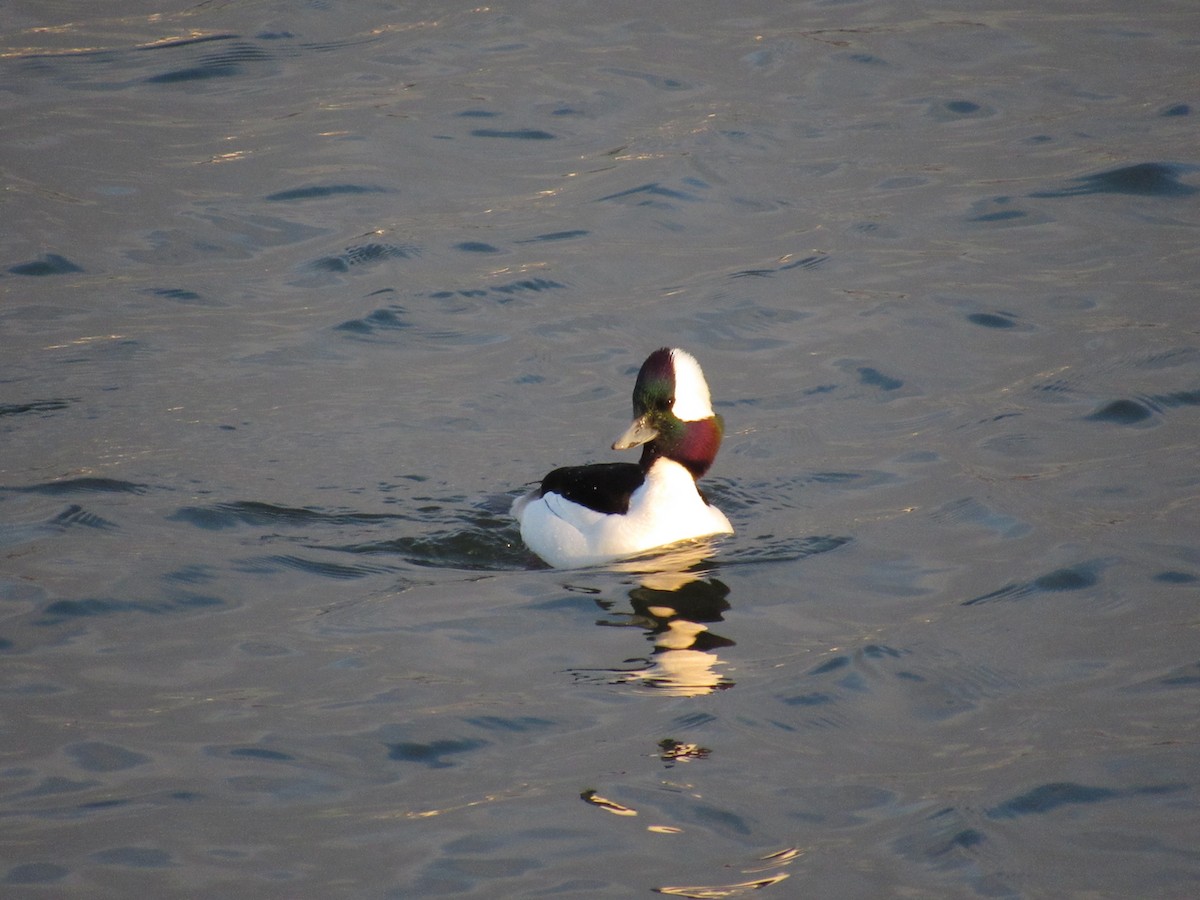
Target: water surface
(296, 299)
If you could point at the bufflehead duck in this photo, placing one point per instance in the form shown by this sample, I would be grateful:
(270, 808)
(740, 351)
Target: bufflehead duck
(586, 515)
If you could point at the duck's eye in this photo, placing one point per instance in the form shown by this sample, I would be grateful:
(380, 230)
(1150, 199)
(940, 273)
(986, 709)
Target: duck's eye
(670, 402)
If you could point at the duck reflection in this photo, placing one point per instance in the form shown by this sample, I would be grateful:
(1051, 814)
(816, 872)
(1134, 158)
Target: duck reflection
(674, 603)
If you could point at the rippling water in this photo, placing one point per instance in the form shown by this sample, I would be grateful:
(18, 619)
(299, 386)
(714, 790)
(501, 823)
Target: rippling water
(297, 298)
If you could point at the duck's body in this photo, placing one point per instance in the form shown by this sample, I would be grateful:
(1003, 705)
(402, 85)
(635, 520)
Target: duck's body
(653, 509)
(585, 515)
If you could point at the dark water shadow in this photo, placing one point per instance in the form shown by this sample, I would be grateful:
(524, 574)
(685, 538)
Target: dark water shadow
(1143, 410)
(322, 191)
(179, 64)
(1158, 180)
(36, 406)
(1151, 179)
(1048, 797)
(1079, 577)
(49, 264)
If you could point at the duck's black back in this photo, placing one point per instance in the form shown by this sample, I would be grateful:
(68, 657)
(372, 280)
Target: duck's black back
(604, 487)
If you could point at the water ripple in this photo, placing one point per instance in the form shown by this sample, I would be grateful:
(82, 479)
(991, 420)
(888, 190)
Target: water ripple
(82, 485)
(252, 512)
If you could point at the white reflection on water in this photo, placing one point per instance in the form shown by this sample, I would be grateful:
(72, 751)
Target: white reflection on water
(672, 602)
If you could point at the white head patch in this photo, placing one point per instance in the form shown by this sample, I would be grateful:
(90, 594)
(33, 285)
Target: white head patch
(692, 400)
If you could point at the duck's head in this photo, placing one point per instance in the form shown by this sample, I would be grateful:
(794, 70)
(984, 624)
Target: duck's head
(672, 413)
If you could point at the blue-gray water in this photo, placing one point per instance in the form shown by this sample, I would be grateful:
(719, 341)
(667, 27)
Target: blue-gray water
(295, 297)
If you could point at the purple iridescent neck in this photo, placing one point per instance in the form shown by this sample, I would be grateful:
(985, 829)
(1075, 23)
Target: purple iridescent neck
(694, 446)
